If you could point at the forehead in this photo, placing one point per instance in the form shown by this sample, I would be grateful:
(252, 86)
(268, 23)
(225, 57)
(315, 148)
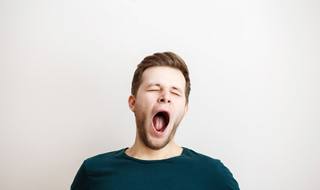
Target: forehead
(163, 75)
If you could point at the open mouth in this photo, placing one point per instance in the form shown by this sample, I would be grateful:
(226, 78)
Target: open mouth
(160, 121)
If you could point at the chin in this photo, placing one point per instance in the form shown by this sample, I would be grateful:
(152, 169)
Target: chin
(157, 144)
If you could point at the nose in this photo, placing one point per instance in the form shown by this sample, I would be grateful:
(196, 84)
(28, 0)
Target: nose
(164, 98)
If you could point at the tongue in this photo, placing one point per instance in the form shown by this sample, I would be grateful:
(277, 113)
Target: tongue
(158, 122)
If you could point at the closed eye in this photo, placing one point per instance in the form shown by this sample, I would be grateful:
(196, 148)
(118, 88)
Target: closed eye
(153, 90)
(175, 93)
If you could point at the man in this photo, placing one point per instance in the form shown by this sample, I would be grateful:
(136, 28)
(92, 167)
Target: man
(159, 100)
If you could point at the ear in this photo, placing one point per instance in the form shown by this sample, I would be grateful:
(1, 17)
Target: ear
(132, 102)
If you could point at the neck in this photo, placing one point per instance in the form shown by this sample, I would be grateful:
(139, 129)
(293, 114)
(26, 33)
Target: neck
(141, 151)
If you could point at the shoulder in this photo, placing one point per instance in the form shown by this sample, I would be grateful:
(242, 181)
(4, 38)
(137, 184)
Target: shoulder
(101, 160)
(201, 158)
(206, 161)
(213, 167)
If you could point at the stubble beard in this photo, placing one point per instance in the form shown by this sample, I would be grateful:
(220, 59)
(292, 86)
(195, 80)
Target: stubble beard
(142, 132)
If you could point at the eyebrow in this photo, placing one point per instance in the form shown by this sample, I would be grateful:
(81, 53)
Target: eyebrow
(153, 84)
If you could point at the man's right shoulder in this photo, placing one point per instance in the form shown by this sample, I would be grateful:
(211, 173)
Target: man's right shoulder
(102, 159)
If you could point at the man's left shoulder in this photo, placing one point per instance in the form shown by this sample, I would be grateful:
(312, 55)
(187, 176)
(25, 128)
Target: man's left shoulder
(215, 168)
(203, 158)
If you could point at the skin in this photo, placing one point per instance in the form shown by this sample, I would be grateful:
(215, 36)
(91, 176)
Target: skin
(162, 88)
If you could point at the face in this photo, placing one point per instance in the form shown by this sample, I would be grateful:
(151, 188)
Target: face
(159, 105)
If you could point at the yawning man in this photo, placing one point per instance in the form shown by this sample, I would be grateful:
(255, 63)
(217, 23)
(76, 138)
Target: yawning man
(159, 100)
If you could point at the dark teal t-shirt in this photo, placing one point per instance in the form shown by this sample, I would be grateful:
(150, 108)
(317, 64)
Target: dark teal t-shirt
(118, 171)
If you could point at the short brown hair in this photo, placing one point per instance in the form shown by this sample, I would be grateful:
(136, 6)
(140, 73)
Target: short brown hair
(169, 59)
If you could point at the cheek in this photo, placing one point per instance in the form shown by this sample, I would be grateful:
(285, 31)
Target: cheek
(180, 103)
(179, 109)
(150, 99)
(146, 102)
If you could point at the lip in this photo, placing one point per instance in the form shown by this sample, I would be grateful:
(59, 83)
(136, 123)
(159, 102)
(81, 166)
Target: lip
(161, 110)
(155, 132)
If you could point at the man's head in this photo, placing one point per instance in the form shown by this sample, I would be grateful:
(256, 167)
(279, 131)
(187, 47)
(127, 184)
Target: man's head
(168, 59)
(160, 91)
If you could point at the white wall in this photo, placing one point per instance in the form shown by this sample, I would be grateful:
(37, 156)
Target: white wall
(66, 68)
